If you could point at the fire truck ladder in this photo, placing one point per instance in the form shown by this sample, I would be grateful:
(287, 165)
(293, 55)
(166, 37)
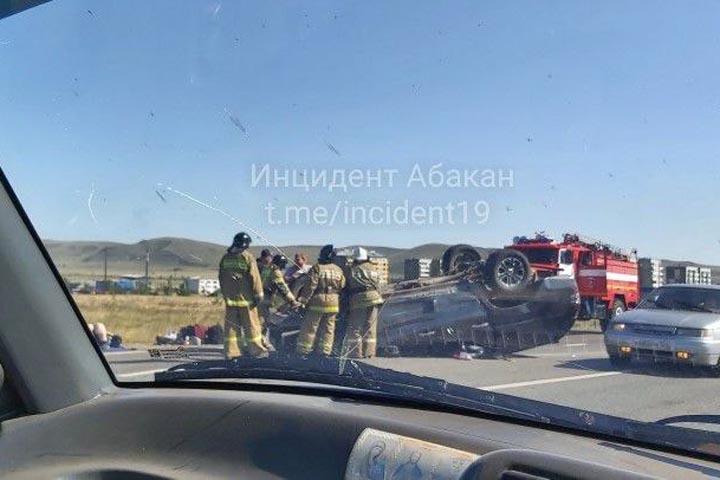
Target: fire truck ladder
(596, 244)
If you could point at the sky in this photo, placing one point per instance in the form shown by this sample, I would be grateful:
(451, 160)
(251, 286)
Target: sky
(133, 120)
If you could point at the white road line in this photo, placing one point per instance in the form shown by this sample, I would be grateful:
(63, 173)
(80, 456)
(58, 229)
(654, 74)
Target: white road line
(140, 373)
(507, 386)
(585, 354)
(574, 344)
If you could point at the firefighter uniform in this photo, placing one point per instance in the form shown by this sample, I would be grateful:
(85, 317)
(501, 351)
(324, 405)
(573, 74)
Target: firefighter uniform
(363, 308)
(276, 292)
(276, 289)
(321, 295)
(264, 306)
(265, 272)
(242, 289)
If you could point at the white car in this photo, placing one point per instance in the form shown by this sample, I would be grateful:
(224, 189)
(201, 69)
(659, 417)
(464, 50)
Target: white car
(674, 323)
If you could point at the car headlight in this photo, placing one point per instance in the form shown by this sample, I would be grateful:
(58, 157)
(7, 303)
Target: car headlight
(618, 326)
(693, 332)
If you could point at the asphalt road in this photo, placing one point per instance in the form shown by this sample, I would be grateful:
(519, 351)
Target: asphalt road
(576, 372)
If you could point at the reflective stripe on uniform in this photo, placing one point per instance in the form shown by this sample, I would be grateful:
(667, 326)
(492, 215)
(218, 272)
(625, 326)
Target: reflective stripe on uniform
(238, 263)
(322, 309)
(230, 302)
(303, 347)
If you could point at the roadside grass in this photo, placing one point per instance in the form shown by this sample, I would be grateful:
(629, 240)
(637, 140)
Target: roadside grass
(139, 318)
(588, 326)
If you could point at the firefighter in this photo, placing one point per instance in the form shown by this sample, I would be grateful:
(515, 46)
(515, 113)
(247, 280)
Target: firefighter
(321, 296)
(276, 292)
(363, 307)
(276, 286)
(242, 290)
(263, 262)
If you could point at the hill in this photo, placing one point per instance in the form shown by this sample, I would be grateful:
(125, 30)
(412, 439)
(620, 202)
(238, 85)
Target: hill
(179, 257)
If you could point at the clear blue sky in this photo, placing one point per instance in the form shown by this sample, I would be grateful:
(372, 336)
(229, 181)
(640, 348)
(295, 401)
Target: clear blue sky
(607, 112)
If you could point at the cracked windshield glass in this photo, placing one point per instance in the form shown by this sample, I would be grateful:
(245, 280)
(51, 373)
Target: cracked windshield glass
(515, 198)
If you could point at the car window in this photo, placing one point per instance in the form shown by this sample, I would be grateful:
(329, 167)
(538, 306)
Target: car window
(382, 187)
(692, 299)
(566, 257)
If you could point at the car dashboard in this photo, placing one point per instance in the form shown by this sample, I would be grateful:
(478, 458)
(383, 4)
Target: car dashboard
(193, 433)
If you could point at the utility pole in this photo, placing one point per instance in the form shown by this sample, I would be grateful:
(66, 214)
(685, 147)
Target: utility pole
(105, 266)
(147, 270)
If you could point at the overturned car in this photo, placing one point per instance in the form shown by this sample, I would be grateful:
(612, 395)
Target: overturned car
(491, 306)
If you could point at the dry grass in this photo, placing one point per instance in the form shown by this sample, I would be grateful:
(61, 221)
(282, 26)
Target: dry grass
(139, 318)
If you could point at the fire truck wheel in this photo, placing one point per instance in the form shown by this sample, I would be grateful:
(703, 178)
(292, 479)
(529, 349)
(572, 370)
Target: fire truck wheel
(458, 257)
(618, 308)
(508, 271)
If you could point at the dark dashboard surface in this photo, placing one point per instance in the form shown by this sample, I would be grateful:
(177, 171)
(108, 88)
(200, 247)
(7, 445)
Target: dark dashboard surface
(195, 433)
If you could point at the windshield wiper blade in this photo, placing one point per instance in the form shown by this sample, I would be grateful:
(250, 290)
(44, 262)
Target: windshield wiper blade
(359, 375)
(349, 374)
(709, 419)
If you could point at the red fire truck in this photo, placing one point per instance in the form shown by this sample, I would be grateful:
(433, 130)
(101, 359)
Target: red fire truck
(607, 276)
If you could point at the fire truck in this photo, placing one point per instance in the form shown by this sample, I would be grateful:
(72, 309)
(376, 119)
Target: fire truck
(607, 276)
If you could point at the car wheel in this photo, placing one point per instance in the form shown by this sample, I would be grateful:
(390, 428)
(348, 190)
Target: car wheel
(715, 371)
(458, 257)
(508, 271)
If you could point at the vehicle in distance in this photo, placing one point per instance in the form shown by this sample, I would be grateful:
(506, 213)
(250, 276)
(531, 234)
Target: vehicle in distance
(493, 306)
(674, 323)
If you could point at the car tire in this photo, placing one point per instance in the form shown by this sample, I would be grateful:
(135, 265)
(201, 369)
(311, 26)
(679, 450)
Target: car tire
(508, 271)
(715, 370)
(458, 257)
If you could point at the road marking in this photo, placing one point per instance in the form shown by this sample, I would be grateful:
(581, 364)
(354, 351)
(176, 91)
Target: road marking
(574, 344)
(585, 354)
(507, 386)
(140, 373)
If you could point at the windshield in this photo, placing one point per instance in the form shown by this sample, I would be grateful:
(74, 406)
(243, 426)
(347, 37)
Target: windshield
(294, 181)
(691, 299)
(542, 255)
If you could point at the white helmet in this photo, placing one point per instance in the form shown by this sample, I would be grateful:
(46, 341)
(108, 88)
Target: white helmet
(360, 254)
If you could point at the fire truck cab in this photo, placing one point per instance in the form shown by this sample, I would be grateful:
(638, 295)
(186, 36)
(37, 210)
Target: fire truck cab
(607, 276)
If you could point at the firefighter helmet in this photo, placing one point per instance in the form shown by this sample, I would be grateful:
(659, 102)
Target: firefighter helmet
(360, 254)
(280, 260)
(242, 240)
(327, 254)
